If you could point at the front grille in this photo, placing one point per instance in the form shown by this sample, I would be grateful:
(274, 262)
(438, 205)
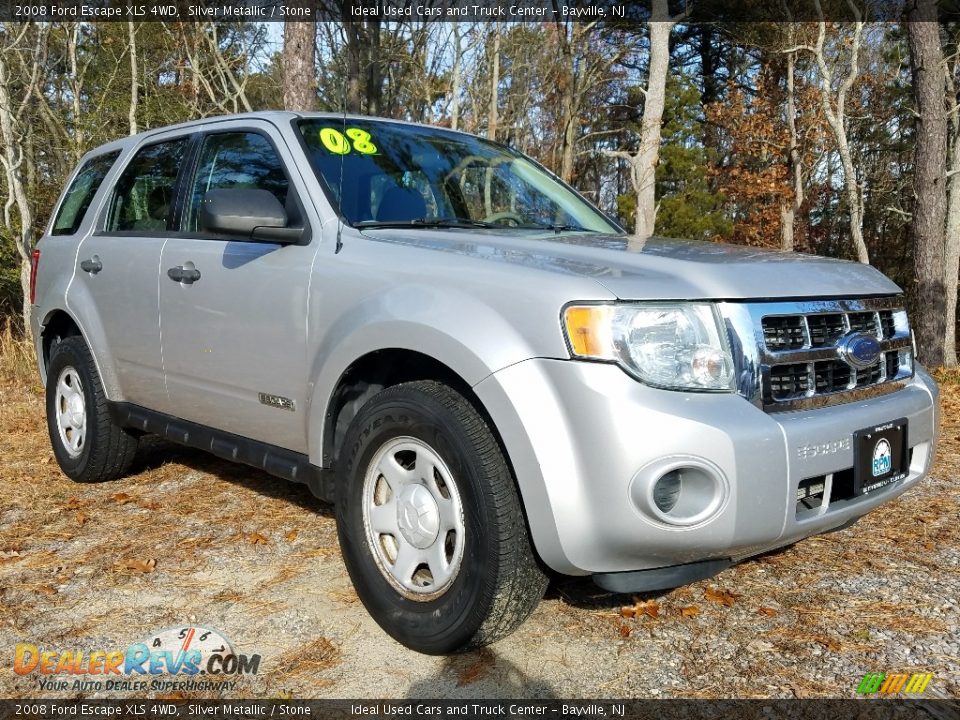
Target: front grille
(789, 381)
(825, 329)
(831, 376)
(867, 322)
(784, 333)
(888, 324)
(803, 360)
(872, 375)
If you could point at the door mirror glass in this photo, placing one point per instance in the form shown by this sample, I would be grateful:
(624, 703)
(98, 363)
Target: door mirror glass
(241, 212)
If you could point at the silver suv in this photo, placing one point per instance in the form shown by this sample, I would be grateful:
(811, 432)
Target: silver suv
(487, 376)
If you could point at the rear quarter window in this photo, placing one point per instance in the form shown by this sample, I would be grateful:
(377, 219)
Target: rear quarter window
(80, 194)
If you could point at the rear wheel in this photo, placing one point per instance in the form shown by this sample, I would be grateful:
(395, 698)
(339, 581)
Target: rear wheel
(88, 445)
(430, 523)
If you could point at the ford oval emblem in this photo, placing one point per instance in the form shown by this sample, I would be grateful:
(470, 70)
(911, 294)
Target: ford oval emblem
(859, 350)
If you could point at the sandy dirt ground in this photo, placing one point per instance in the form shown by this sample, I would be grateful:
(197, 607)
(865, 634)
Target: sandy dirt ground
(189, 540)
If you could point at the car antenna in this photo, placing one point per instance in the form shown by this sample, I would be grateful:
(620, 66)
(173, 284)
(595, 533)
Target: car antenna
(343, 131)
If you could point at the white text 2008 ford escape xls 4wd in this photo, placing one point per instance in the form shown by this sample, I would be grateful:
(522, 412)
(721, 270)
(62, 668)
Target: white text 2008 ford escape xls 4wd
(484, 373)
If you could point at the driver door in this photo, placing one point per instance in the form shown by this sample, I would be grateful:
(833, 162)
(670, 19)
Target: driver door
(234, 328)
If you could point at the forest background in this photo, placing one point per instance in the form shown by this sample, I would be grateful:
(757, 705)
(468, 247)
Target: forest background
(839, 137)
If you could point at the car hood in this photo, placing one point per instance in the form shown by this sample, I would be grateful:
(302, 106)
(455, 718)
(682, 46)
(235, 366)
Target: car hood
(657, 268)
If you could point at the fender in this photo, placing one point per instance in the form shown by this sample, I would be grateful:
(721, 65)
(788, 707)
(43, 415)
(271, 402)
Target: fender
(452, 327)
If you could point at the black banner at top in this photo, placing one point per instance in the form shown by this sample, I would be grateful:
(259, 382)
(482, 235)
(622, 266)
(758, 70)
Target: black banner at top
(505, 11)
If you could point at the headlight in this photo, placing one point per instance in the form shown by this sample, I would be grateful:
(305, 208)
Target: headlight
(670, 345)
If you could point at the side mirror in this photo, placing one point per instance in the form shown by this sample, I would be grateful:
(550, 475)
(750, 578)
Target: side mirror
(247, 214)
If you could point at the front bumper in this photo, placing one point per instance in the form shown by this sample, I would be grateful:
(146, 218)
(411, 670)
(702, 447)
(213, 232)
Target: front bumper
(578, 433)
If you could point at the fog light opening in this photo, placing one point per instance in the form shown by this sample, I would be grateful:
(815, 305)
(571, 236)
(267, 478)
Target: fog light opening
(666, 491)
(684, 492)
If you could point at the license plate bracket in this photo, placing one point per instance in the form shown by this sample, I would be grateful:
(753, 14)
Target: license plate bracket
(880, 456)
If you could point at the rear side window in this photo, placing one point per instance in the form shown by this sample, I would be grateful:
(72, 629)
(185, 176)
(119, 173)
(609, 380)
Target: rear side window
(81, 192)
(143, 197)
(236, 160)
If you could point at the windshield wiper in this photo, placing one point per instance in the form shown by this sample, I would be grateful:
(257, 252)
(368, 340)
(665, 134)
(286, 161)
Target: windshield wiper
(433, 222)
(557, 228)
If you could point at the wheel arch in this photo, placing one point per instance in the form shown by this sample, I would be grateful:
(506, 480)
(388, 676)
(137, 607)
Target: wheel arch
(56, 325)
(365, 376)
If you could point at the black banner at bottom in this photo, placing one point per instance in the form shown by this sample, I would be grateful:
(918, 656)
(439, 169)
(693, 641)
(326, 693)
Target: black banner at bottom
(446, 709)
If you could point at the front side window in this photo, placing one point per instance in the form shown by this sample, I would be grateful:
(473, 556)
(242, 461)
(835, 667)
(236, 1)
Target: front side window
(236, 160)
(143, 198)
(390, 173)
(81, 192)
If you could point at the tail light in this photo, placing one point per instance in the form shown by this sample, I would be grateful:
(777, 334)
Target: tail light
(34, 266)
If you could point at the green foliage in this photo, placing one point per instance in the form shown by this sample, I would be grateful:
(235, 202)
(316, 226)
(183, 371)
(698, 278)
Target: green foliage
(689, 207)
(11, 296)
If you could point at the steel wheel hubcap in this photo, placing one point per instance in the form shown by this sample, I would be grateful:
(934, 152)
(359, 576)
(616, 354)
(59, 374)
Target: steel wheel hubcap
(413, 518)
(71, 411)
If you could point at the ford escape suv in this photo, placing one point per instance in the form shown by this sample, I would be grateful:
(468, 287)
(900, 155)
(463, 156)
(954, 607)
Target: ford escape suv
(485, 374)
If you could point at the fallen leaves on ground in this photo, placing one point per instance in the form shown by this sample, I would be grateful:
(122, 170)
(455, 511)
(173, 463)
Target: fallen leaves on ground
(689, 611)
(121, 498)
(292, 535)
(828, 643)
(721, 597)
(139, 566)
(477, 669)
(650, 608)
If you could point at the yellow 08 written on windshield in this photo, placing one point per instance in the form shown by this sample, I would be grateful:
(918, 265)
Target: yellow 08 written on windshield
(340, 143)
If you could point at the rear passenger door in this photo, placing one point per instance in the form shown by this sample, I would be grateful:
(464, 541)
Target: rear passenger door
(118, 266)
(234, 338)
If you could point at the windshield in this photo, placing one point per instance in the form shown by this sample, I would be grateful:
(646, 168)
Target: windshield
(390, 174)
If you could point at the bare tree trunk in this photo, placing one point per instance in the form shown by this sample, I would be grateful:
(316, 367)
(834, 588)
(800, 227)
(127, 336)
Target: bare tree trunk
(568, 104)
(648, 155)
(352, 90)
(569, 136)
(12, 159)
(299, 66)
(494, 86)
(929, 179)
(134, 77)
(790, 208)
(374, 82)
(833, 103)
(456, 79)
(952, 255)
(76, 89)
(952, 240)
(643, 163)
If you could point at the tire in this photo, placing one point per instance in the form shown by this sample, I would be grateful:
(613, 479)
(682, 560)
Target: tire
(487, 580)
(88, 445)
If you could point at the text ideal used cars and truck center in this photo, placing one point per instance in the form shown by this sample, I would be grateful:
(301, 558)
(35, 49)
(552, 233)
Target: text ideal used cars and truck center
(485, 374)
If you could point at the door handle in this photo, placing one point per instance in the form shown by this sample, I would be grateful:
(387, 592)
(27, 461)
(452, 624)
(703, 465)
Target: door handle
(184, 275)
(92, 265)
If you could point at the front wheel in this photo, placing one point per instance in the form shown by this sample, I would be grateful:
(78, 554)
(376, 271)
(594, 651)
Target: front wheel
(430, 523)
(88, 445)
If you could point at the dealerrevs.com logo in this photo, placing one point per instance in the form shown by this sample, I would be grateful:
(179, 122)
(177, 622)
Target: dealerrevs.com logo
(185, 653)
